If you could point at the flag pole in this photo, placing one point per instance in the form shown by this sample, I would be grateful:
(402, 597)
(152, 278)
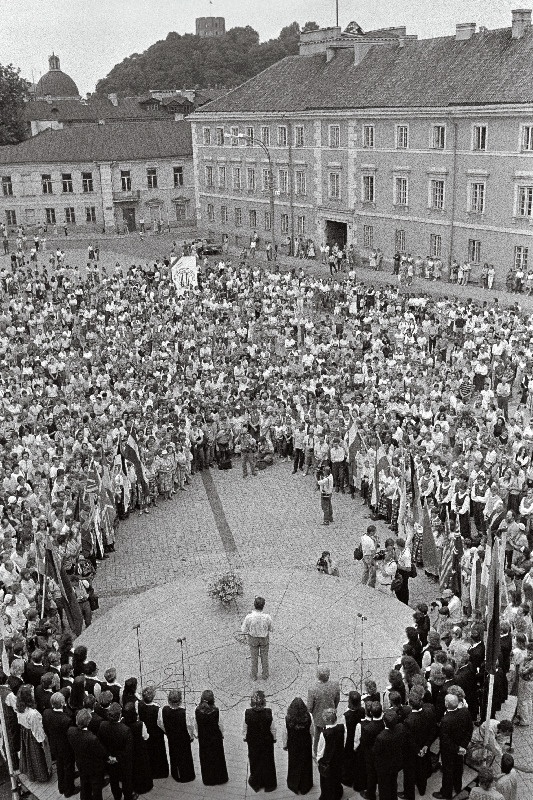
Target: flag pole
(493, 580)
(7, 747)
(487, 716)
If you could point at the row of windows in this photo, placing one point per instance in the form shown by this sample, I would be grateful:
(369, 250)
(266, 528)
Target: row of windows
(437, 136)
(239, 176)
(51, 216)
(253, 219)
(87, 182)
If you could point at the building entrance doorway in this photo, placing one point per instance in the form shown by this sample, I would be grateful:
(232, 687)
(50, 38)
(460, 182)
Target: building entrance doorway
(336, 233)
(128, 215)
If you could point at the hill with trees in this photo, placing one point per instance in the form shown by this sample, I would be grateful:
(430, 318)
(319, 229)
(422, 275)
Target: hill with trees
(188, 61)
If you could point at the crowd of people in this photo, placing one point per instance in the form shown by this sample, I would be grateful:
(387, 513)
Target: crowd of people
(116, 388)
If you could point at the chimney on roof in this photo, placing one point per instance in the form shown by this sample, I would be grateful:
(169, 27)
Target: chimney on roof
(464, 31)
(521, 22)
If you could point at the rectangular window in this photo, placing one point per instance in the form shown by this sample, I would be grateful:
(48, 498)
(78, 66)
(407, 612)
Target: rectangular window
(87, 182)
(11, 217)
(299, 136)
(238, 217)
(151, 178)
(207, 136)
(210, 212)
(368, 136)
(334, 185)
(90, 214)
(50, 214)
(268, 221)
(301, 182)
(399, 241)
(70, 215)
(250, 136)
(300, 226)
(282, 136)
(252, 217)
(236, 177)
(222, 177)
(178, 176)
(224, 215)
(368, 195)
(235, 136)
(220, 136)
(250, 179)
(479, 137)
(46, 183)
(435, 245)
(368, 236)
(125, 180)
(527, 137)
(438, 137)
(209, 177)
(402, 137)
(283, 176)
(284, 223)
(525, 201)
(334, 136)
(401, 191)
(436, 194)
(7, 186)
(265, 179)
(265, 135)
(474, 251)
(520, 257)
(66, 182)
(477, 198)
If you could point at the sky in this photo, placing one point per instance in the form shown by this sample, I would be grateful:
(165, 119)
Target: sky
(91, 36)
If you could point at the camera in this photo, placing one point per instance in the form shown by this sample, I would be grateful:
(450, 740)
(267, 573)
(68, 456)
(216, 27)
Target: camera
(380, 555)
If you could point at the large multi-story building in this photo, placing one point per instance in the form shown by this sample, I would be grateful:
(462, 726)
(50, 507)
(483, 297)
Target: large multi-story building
(207, 27)
(100, 177)
(380, 140)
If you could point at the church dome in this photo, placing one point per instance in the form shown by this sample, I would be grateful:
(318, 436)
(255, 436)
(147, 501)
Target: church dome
(55, 83)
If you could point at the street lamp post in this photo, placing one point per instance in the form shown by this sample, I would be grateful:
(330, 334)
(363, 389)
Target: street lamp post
(265, 149)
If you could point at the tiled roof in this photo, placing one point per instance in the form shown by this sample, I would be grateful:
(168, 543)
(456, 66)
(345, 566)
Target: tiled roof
(489, 68)
(95, 109)
(120, 141)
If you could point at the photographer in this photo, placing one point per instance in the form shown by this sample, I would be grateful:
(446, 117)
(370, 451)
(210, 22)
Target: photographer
(326, 564)
(386, 567)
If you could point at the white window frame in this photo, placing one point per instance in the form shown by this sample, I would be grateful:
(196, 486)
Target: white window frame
(526, 138)
(521, 253)
(369, 137)
(265, 179)
(250, 179)
(284, 223)
(238, 217)
(250, 136)
(435, 245)
(265, 135)
(434, 145)
(368, 236)
(224, 215)
(236, 179)
(210, 212)
(402, 137)
(235, 136)
(11, 217)
(401, 190)
(477, 193)
(151, 177)
(206, 136)
(334, 185)
(399, 241)
(300, 182)
(300, 225)
(299, 135)
(367, 181)
(477, 137)
(222, 176)
(524, 201)
(209, 176)
(220, 137)
(283, 181)
(474, 251)
(432, 194)
(334, 136)
(282, 136)
(90, 215)
(268, 221)
(252, 215)
(70, 215)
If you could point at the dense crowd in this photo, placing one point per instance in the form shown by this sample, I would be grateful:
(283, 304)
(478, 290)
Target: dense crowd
(259, 364)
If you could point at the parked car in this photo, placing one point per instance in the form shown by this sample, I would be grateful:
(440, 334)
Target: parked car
(208, 247)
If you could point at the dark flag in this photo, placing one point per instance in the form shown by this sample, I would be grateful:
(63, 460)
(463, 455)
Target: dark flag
(130, 451)
(71, 607)
(492, 649)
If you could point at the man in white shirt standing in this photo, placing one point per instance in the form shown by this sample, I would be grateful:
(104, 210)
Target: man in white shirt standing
(369, 547)
(257, 626)
(326, 490)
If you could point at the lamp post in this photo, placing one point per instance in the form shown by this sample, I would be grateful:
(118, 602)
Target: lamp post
(265, 149)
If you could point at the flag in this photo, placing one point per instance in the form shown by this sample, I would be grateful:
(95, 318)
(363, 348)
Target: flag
(484, 580)
(354, 443)
(92, 483)
(492, 647)
(415, 491)
(70, 604)
(402, 508)
(474, 580)
(374, 498)
(130, 451)
(446, 564)
(429, 549)
(458, 551)
(106, 513)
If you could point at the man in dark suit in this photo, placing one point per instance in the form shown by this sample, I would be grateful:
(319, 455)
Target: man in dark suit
(456, 730)
(421, 729)
(56, 724)
(330, 755)
(90, 757)
(388, 755)
(35, 668)
(370, 729)
(466, 678)
(43, 693)
(89, 702)
(118, 741)
(323, 695)
(449, 680)
(476, 651)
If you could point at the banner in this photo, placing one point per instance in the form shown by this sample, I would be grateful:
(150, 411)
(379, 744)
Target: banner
(184, 274)
(492, 647)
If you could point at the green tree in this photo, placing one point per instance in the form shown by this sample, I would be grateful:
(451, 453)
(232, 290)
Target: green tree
(310, 26)
(12, 91)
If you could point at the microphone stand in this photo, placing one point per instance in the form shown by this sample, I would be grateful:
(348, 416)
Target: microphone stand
(136, 629)
(180, 642)
(363, 620)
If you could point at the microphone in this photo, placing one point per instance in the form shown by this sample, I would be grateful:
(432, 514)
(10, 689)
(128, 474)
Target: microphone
(180, 641)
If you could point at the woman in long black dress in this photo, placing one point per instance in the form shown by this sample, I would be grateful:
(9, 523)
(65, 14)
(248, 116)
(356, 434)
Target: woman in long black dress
(129, 693)
(353, 768)
(210, 741)
(157, 752)
(180, 733)
(142, 774)
(259, 732)
(297, 740)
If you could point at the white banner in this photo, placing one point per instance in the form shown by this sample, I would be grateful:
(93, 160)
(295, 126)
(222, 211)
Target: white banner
(184, 274)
